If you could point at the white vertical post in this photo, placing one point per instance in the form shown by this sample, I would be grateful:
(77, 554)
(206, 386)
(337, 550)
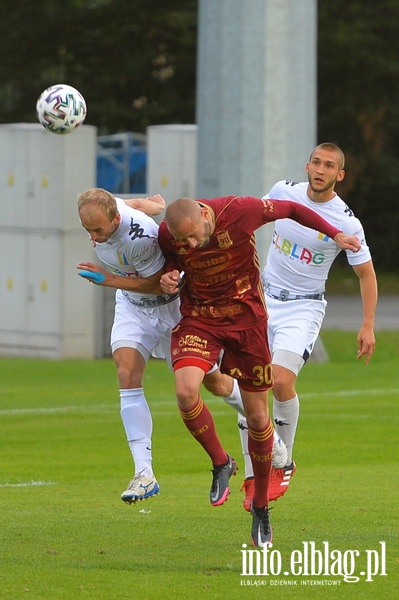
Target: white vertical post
(256, 98)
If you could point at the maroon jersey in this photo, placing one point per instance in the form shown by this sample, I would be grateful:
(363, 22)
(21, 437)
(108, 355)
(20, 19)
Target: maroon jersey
(221, 283)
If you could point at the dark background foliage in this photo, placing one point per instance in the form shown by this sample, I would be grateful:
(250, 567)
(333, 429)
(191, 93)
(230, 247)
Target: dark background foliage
(135, 63)
(358, 92)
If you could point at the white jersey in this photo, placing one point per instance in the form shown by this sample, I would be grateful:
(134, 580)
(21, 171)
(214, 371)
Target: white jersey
(133, 250)
(300, 258)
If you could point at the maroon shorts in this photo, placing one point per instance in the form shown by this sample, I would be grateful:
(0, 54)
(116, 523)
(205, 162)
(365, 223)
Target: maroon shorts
(246, 354)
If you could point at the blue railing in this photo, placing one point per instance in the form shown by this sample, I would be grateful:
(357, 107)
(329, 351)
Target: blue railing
(122, 163)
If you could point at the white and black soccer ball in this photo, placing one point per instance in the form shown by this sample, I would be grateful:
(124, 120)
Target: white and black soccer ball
(61, 109)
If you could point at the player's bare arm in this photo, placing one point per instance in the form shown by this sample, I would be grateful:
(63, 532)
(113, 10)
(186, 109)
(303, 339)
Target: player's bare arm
(152, 205)
(170, 282)
(369, 295)
(144, 285)
(347, 242)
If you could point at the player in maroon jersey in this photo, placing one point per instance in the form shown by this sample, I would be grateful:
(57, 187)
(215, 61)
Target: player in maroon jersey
(212, 244)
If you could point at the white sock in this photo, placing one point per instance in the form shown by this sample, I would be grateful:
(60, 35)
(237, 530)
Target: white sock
(243, 429)
(137, 421)
(235, 399)
(285, 417)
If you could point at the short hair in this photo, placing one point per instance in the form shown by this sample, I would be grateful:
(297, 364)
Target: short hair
(330, 147)
(182, 209)
(100, 198)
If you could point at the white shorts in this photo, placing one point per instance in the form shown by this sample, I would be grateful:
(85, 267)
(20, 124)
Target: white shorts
(144, 328)
(293, 328)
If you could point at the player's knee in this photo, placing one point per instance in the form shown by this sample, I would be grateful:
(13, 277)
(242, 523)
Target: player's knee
(283, 387)
(128, 378)
(222, 386)
(257, 421)
(186, 396)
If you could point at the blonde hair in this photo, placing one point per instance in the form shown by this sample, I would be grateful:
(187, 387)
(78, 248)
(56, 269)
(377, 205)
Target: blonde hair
(100, 198)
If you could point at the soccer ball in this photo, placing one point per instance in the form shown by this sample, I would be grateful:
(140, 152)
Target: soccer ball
(61, 109)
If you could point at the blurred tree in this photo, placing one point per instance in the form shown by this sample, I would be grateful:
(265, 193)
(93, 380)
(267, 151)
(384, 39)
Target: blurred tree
(133, 61)
(358, 90)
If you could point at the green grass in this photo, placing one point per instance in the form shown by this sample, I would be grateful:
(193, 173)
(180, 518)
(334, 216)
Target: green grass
(70, 536)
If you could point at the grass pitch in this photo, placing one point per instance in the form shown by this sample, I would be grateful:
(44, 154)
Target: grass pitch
(65, 533)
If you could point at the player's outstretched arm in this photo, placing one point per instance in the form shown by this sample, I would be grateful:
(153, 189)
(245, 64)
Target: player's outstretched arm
(152, 205)
(145, 285)
(347, 242)
(92, 272)
(281, 209)
(369, 295)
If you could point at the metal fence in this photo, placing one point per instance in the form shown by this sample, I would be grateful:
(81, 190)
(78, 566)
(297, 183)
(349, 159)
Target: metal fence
(122, 163)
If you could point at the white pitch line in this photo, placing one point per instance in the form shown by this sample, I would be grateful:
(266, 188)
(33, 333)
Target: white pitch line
(105, 408)
(341, 393)
(57, 409)
(26, 484)
(350, 393)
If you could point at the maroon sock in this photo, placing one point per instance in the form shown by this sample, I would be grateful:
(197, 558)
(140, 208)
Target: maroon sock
(260, 447)
(199, 422)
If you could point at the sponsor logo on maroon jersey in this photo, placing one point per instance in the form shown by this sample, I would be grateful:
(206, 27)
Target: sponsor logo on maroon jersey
(268, 206)
(224, 239)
